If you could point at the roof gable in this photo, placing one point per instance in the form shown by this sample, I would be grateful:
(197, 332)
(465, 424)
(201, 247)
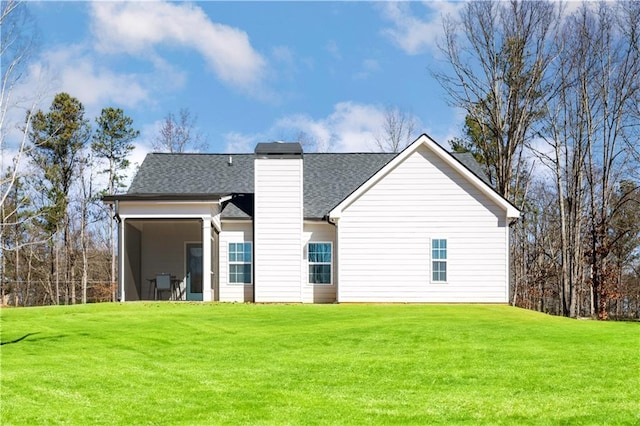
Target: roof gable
(451, 160)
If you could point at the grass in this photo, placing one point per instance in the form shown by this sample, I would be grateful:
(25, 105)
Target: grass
(179, 363)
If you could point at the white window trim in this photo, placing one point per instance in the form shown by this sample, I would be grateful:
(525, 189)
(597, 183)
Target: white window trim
(309, 263)
(230, 262)
(431, 260)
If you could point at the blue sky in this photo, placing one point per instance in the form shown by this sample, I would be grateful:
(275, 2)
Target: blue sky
(250, 71)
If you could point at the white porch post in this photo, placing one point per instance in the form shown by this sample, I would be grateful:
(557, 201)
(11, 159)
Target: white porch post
(121, 259)
(206, 259)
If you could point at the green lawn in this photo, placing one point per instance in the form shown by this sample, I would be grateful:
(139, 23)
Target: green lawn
(180, 363)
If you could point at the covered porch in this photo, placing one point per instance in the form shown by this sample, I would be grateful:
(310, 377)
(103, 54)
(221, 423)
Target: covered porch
(166, 249)
(164, 259)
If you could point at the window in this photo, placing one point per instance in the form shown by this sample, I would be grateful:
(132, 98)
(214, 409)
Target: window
(439, 260)
(240, 263)
(319, 257)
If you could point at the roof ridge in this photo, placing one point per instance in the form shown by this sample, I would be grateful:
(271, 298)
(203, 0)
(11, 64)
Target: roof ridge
(200, 153)
(351, 153)
(252, 154)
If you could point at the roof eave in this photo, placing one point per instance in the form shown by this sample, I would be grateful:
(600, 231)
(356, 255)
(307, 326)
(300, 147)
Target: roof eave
(108, 199)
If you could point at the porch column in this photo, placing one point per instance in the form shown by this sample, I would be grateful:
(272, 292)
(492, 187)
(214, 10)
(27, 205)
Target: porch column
(121, 260)
(206, 259)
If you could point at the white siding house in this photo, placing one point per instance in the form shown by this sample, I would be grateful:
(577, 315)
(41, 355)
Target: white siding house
(280, 225)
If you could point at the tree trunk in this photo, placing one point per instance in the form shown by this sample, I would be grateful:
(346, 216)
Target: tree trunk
(83, 244)
(55, 272)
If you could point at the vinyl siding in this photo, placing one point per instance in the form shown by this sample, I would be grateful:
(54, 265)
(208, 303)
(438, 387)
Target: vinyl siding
(385, 238)
(166, 209)
(278, 230)
(232, 232)
(319, 293)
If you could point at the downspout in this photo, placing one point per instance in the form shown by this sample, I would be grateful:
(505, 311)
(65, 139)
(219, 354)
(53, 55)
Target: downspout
(336, 257)
(253, 254)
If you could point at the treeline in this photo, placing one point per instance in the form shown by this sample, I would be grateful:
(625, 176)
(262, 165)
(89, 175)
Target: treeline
(552, 99)
(57, 237)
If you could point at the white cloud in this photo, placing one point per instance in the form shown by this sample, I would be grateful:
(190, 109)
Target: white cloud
(414, 34)
(236, 142)
(137, 28)
(355, 126)
(74, 70)
(351, 127)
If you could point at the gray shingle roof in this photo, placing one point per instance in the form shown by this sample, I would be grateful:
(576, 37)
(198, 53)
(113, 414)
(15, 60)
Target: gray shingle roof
(328, 178)
(467, 160)
(194, 174)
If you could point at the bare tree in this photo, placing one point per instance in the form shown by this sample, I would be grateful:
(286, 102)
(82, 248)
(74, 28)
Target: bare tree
(499, 54)
(614, 96)
(179, 134)
(86, 197)
(18, 41)
(398, 130)
(590, 126)
(309, 142)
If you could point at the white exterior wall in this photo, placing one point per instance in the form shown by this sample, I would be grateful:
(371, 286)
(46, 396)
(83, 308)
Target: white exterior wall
(384, 238)
(278, 229)
(232, 232)
(319, 293)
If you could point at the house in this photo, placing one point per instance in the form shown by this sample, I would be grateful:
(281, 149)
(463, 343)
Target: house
(281, 225)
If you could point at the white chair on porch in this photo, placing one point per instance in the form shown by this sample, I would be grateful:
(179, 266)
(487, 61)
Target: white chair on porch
(163, 283)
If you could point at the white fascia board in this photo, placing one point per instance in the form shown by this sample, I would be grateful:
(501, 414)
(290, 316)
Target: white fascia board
(215, 216)
(156, 210)
(164, 216)
(512, 212)
(235, 220)
(215, 221)
(155, 202)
